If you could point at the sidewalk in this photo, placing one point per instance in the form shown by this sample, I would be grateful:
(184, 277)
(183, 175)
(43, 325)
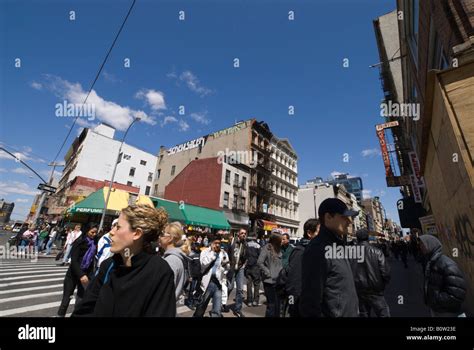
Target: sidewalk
(406, 283)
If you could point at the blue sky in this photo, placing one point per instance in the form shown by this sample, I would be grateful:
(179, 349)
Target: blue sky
(191, 63)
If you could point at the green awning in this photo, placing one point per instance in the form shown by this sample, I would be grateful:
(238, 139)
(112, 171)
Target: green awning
(192, 214)
(172, 208)
(206, 217)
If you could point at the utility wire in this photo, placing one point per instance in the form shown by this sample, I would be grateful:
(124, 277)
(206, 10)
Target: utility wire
(96, 77)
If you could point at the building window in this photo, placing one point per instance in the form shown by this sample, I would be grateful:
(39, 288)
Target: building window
(244, 182)
(227, 177)
(158, 172)
(150, 176)
(132, 172)
(147, 191)
(236, 179)
(242, 203)
(234, 203)
(142, 162)
(127, 156)
(226, 200)
(156, 190)
(173, 169)
(161, 158)
(129, 183)
(200, 148)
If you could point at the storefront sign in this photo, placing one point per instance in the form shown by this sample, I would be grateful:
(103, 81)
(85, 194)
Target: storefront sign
(415, 167)
(386, 125)
(188, 145)
(415, 189)
(232, 129)
(385, 157)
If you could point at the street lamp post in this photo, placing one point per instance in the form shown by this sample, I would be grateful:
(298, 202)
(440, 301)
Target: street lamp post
(113, 173)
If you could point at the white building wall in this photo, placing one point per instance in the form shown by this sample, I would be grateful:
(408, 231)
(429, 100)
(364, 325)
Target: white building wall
(310, 198)
(98, 156)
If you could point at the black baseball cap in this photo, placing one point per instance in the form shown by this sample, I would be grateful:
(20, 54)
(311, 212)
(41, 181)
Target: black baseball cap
(335, 206)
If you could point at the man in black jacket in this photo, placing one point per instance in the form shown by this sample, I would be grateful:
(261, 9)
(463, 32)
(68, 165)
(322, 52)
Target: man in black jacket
(445, 286)
(371, 275)
(294, 270)
(328, 284)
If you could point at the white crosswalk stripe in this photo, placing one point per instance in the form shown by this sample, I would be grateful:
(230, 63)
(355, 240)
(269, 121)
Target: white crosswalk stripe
(31, 288)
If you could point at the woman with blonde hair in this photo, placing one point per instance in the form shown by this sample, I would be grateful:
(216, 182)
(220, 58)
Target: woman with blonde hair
(171, 241)
(135, 282)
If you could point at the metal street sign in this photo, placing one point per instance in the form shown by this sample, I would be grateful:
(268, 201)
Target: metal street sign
(47, 188)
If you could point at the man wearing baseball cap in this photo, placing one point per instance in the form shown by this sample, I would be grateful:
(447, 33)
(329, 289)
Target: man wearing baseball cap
(328, 287)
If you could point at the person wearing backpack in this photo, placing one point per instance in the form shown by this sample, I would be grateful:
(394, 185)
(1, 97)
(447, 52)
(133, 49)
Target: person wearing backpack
(194, 268)
(172, 244)
(293, 272)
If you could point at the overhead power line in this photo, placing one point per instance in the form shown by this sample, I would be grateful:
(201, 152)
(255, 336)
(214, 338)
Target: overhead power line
(96, 77)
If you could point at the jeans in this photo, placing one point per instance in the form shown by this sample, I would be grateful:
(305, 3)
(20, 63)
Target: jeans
(273, 304)
(214, 291)
(239, 278)
(49, 245)
(368, 302)
(253, 284)
(67, 253)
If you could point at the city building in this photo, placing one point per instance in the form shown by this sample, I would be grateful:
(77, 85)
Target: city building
(431, 155)
(93, 155)
(216, 185)
(313, 193)
(351, 184)
(375, 214)
(6, 210)
(76, 190)
(250, 148)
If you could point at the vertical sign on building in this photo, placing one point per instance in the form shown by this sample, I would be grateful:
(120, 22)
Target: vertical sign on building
(383, 146)
(415, 168)
(415, 189)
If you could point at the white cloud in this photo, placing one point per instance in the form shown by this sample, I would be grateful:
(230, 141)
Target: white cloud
(156, 99)
(17, 187)
(168, 120)
(18, 155)
(110, 77)
(85, 123)
(22, 200)
(366, 193)
(371, 152)
(25, 155)
(110, 112)
(183, 126)
(3, 170)
(200, 118)
(46, 173)
(192, 82)
(37, 86)
(21, 171)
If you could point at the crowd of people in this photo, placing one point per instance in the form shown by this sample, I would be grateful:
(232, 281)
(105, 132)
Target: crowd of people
(146, 266)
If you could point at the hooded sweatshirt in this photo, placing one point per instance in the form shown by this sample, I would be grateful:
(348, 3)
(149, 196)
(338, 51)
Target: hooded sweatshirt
(177, 260)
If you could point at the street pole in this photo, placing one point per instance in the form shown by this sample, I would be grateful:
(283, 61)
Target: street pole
(113, 174)
(43, 194)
